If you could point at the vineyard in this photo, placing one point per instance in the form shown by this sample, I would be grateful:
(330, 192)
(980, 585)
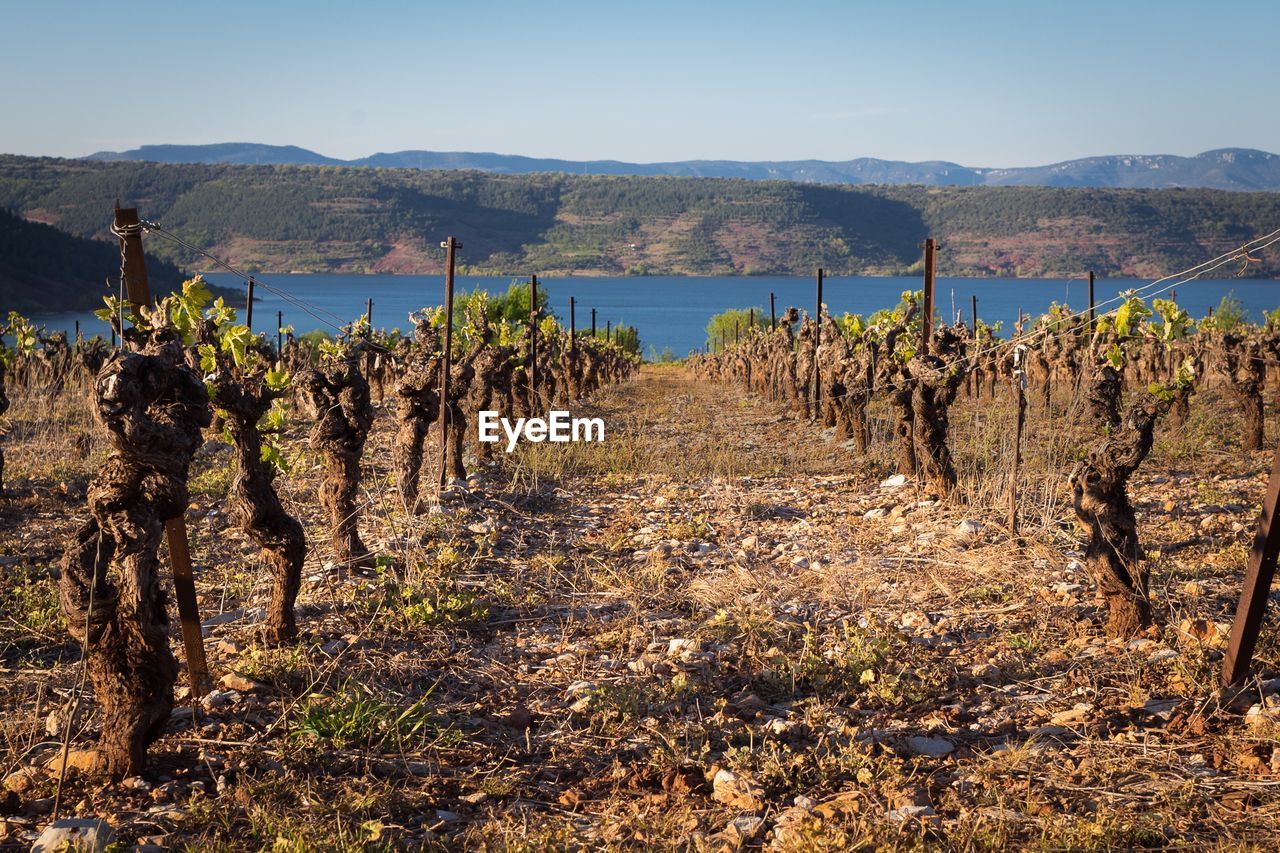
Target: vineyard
(838, 581)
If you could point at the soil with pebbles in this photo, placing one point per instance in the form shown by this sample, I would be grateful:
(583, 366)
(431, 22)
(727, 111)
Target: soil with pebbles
(719, 629)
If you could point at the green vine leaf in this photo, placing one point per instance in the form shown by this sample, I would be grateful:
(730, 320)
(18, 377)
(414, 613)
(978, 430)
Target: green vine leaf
(208, 357)
(277, 379)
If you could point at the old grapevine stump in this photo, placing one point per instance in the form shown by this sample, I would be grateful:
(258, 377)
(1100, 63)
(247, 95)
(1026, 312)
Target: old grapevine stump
(1100, 494)
(936, 378)
(154, 407)
(4, 407)
(337, 396)
(419, 398)
(1243, 366)
(243, 398)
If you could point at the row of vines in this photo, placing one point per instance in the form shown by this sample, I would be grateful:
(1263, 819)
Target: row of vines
(187, 370)
(1135, 366)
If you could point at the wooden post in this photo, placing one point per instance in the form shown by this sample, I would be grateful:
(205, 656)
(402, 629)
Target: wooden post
(926, 327)
(279, 333)
(593, 322)
(773, 314)
(533, 341)
(817, 342)
(1258, 575)
(184, 588)
(134, 271)
(248, 306)
(368, 355)
(573, 330)
(451, 246)
(751, 320)
(133, 260)
(973, 319)
(818, 311)
(1091, 312)
(1020, 396)
(608, 330)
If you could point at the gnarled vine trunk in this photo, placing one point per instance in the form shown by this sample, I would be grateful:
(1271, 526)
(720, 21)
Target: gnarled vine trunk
(255, 506)
(1099, 486)
(894, 374)
(154, 408)
(4, 407)
(419, 394)
(1245, 371)
(1103, 399)
(936, 379)
(905, 425)
(337, 396)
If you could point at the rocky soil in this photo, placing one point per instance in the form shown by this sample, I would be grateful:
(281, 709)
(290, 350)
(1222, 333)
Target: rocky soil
(719, 629)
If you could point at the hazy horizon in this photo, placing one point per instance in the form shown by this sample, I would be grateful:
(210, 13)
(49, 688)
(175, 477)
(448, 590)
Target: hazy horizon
(606, 159)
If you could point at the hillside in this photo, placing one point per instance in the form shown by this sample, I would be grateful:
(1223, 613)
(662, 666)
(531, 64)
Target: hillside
(341, 219)
(43, 269)
(1241, 169)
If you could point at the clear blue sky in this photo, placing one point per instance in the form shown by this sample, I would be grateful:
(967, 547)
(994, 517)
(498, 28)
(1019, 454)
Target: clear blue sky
(981, 83)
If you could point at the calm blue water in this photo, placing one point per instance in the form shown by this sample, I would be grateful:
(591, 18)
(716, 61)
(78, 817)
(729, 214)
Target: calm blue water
(672, 311)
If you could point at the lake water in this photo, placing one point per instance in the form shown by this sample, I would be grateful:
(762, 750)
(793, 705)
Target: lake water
(672, 311)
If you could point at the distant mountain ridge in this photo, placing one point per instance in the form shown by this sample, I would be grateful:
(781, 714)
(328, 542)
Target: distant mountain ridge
(1236, 169)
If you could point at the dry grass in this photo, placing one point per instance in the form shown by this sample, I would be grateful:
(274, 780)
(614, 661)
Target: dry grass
(566, 656)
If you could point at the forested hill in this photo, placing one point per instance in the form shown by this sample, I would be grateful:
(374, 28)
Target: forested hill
(324, 218)
(43, 269)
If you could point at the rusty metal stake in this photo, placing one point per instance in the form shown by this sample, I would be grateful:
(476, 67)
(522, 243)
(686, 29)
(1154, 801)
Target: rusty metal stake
(1258, 576)
(248, 306)
(1091, 311)
(128, 228)
(977, 385)
(451, 246)
(184, 589)
(1020, 395)
(533, 341)
(817, 342)
(926, 326)
(368, 356)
